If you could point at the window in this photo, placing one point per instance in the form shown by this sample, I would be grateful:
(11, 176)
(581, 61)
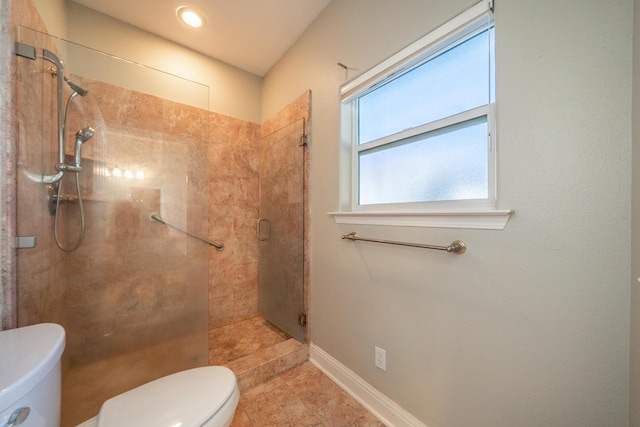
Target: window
(420, 126)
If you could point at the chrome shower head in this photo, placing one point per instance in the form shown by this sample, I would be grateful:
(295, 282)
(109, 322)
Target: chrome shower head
(83, 135)
(77, 89)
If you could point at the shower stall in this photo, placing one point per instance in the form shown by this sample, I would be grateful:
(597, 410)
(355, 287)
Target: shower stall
(110, 193)
(131, 293)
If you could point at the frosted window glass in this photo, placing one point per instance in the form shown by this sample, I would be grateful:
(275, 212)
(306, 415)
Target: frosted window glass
(447, 164)
(455, 81)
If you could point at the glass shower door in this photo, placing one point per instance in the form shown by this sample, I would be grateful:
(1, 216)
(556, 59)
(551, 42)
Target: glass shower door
(133, 296)
(280, 229)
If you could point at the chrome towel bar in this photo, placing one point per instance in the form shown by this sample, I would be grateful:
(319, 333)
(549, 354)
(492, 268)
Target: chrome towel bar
(457, 247)
(153, 216)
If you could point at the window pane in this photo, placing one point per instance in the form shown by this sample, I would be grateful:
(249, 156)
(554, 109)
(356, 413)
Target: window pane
(446, 164)
(454, 81)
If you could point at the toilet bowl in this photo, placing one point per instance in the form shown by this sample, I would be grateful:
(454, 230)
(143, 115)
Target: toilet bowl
(199, 397)
(30, 389)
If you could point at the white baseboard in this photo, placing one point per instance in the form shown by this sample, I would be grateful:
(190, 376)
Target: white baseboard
(386, 410)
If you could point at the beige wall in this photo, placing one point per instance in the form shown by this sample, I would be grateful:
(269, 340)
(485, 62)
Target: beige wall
(55, 15)
(233, 92)
(531, 325)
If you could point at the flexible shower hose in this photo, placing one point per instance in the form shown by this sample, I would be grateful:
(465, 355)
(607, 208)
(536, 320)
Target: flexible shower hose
(55, 221)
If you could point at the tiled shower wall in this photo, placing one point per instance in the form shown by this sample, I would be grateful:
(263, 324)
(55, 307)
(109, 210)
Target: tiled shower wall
(299, 110)
(226, 172)
(14, 13)
(234, 194)
(232, 183)
(234, 156)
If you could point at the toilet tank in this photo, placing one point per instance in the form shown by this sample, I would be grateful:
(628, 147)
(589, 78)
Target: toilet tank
(30, 374)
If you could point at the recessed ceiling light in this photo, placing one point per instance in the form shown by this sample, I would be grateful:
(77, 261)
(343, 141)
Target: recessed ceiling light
(190, 17)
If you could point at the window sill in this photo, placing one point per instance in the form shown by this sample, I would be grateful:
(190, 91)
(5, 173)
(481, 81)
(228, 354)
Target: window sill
(482, 220)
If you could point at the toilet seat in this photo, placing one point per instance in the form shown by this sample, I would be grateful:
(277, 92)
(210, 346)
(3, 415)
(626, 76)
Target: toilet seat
(186, 399)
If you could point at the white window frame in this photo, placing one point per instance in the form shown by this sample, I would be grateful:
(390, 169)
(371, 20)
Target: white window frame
(453, 214)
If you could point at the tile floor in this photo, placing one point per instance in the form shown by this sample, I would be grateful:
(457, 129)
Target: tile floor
(278, 387)
(240, 339)
(302, 396)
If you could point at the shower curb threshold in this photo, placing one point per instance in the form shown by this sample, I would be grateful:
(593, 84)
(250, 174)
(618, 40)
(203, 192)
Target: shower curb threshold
(268, 362)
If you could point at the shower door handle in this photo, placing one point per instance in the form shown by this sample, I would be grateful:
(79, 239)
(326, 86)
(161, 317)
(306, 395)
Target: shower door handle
(259, 233)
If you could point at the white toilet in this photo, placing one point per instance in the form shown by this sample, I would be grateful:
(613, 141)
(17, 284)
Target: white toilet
(30, 377)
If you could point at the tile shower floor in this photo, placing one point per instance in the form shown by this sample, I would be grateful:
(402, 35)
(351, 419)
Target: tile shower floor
(240, 339)
(298, 395)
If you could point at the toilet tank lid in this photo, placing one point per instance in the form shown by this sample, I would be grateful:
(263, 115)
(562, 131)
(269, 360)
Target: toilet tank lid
(185, 399)
(27, 355)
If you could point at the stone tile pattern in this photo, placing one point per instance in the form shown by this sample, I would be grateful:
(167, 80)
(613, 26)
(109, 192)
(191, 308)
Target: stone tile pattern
(255, 350)
(281, 202)
(233, 156)
(266, 364)
(217, 155)
(174, 144)
(128, 272)
(298, 110)
(234, 175)
(302, 396)
(12, 14)
(133, 282)
(231, 342)
(133, 297)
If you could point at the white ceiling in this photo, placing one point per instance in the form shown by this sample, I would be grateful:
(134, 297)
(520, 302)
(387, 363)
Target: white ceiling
(249, 34)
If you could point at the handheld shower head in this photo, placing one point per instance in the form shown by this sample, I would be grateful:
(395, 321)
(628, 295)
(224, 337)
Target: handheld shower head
(77, 89)
(82, 136)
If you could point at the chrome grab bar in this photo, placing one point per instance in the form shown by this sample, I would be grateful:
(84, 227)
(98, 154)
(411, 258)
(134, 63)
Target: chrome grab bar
(458, 247)
(154, 216)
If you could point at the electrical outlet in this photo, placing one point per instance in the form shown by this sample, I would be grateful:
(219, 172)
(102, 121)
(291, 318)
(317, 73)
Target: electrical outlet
(381, 358)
